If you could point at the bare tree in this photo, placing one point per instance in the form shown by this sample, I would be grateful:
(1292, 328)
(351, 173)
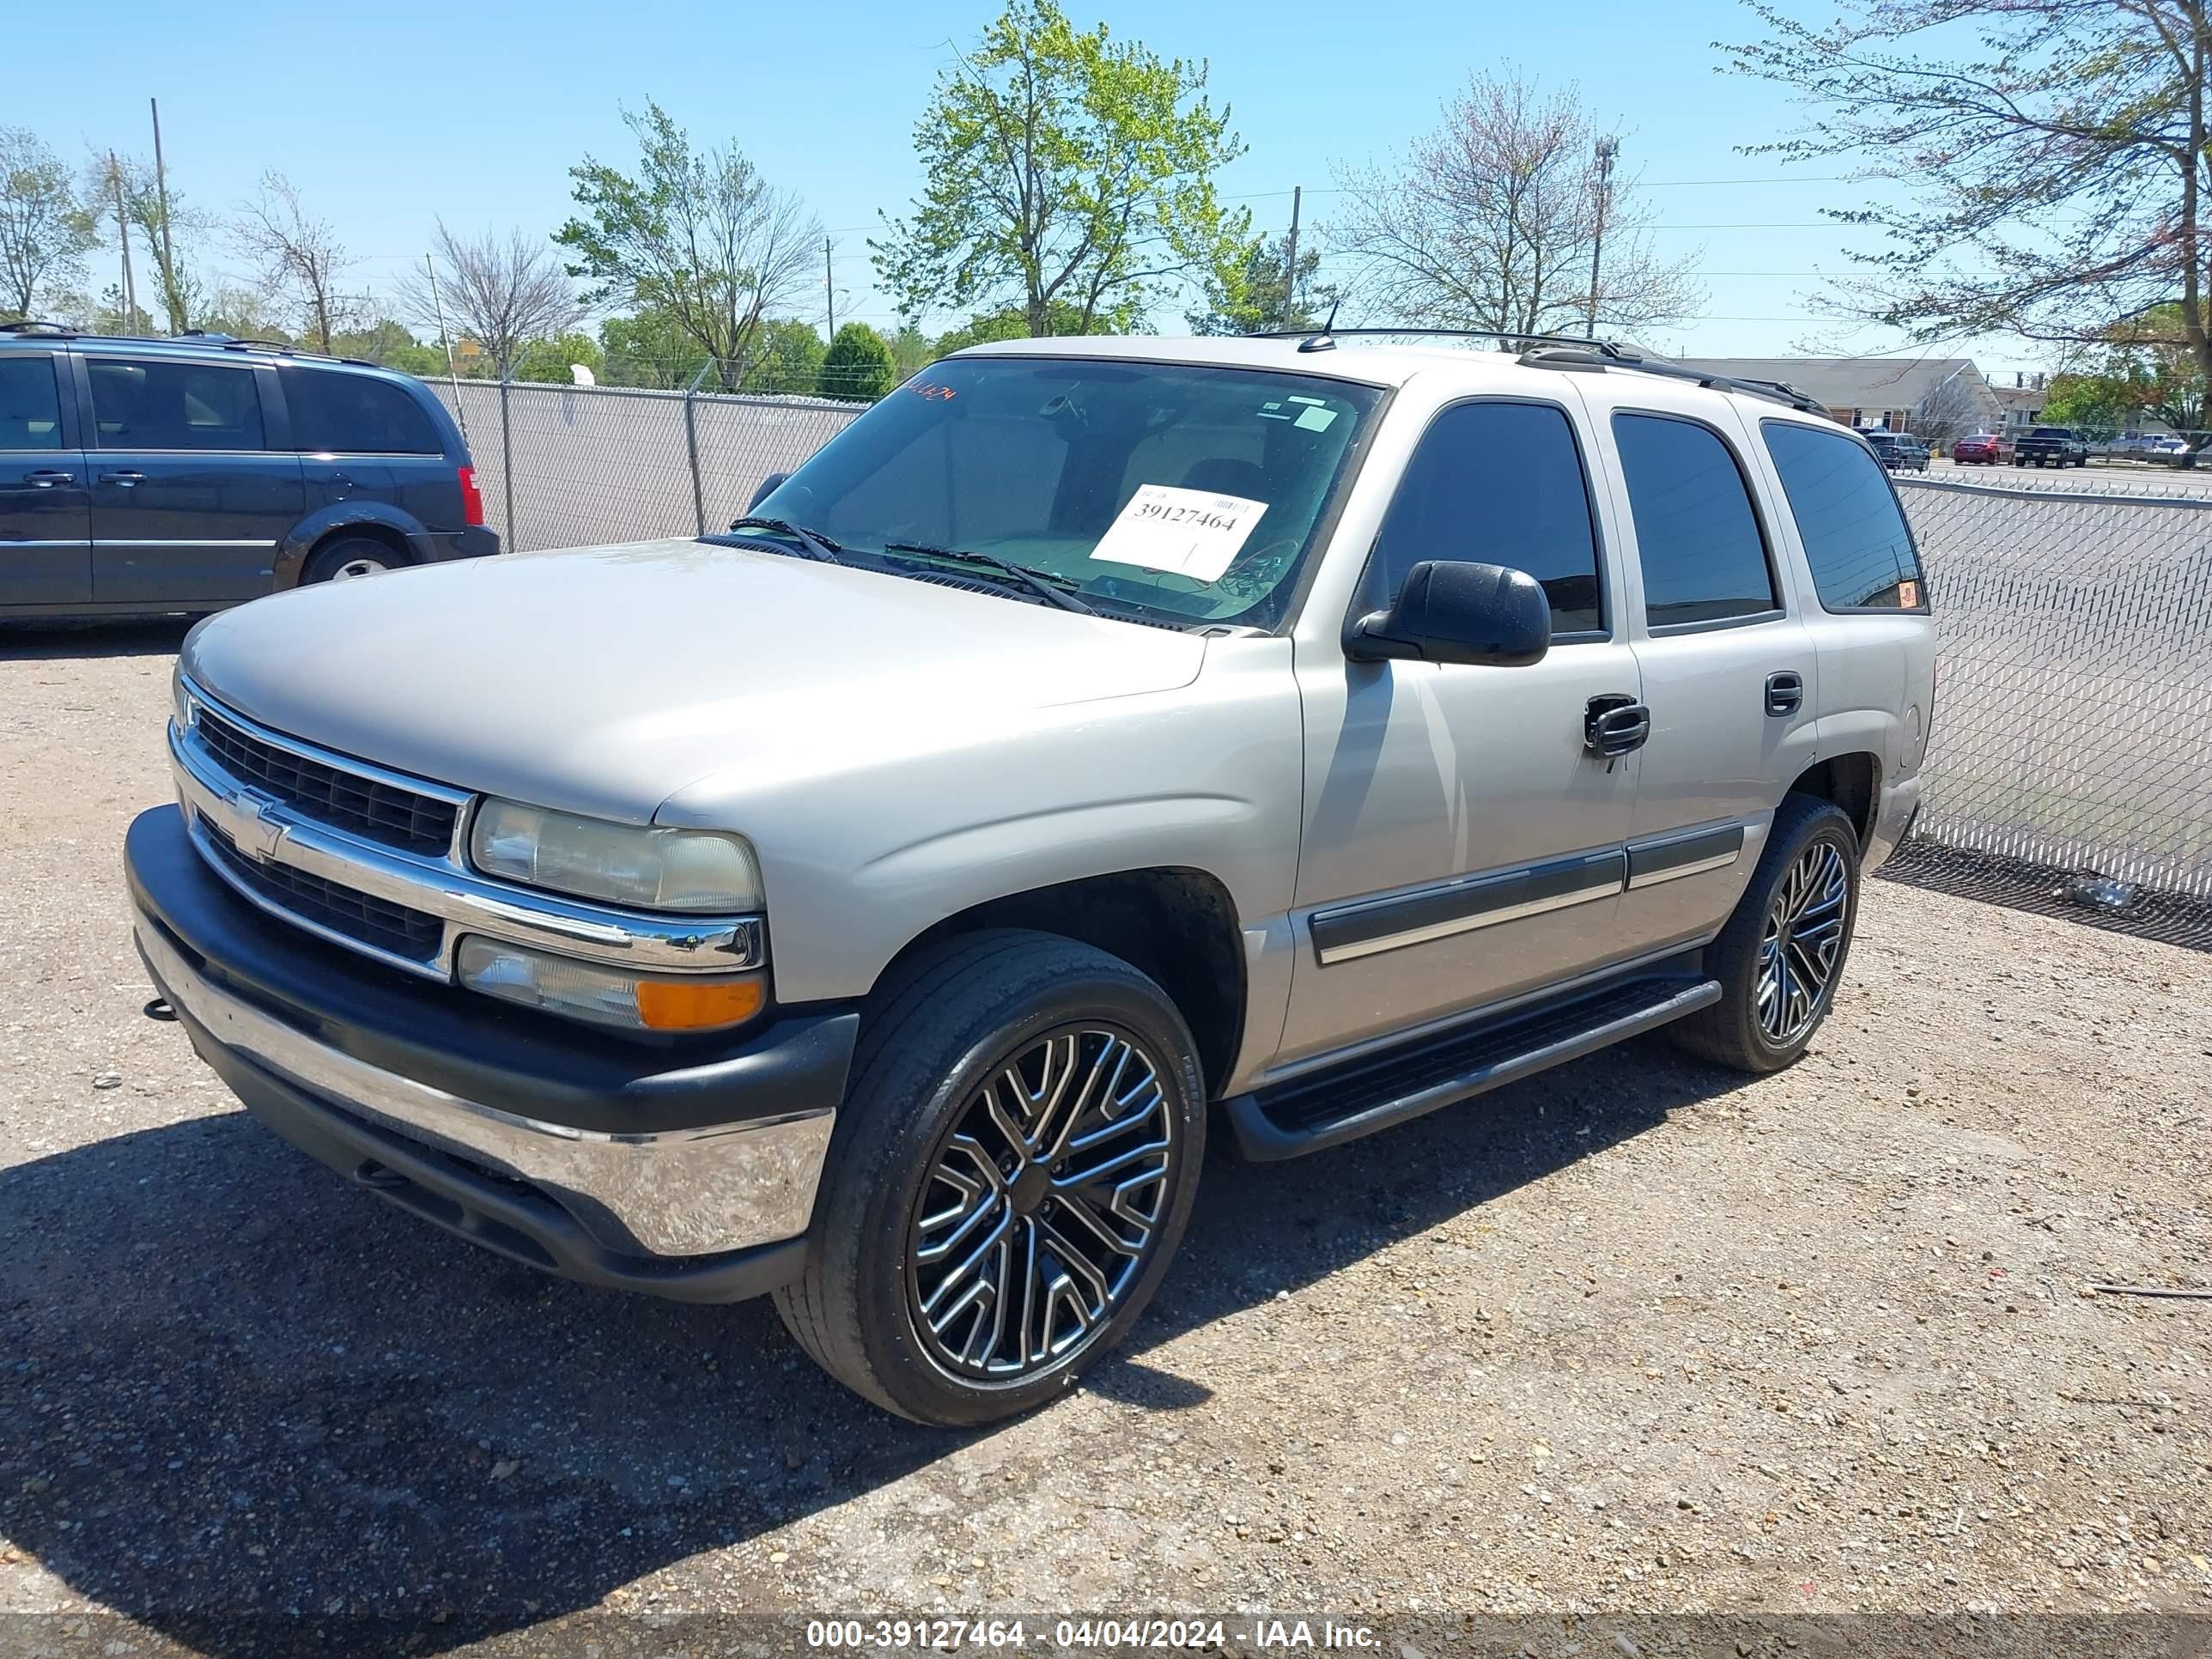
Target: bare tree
(503, 291)
(298, 258)
(696, 235)
(2050, 162)
(46, 230)
(1491, 221)
(1950, 412)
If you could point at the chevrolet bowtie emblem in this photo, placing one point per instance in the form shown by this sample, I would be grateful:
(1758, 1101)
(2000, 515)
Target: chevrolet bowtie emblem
(261, 835)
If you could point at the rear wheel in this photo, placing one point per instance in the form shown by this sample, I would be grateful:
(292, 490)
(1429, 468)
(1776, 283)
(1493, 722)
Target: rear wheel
(1012, 1168)
(1782, 952)
(348, 559)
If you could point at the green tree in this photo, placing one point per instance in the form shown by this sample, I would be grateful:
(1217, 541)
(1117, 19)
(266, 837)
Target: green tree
(2100, 402)
(696, 235)
(426, 363)
(790, 359)
(548, 361)
(1068, 167)
(650, 348)
(374, 341)
(1252, 300)
(46, 230)
(1013, 324)
(911, 351)
(2049, 160)
(859, 365)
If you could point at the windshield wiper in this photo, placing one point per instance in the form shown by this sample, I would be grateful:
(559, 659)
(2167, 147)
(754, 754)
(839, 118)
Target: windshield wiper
(813, 542)
(1040, 582)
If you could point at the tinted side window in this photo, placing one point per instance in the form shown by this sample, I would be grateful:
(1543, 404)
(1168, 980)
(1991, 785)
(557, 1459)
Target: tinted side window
(174, 406)
(1855, 538)
(1704, 558)
(354, 415)
(30, 405)
(1496, 484)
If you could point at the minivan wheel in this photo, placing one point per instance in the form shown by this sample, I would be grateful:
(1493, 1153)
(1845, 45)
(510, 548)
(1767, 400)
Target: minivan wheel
(1780, 956)
(345, 560)
(1011, 1170)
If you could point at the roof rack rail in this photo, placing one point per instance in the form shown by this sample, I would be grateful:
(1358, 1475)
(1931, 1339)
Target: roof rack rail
(34, 326)
(1321, 338)
(1780, 392)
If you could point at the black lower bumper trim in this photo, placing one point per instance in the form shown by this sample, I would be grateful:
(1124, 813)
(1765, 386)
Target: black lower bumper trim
(503, 1215)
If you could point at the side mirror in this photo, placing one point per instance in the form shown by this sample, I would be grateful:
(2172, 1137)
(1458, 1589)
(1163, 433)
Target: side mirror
(1450, 611)
(766, 488)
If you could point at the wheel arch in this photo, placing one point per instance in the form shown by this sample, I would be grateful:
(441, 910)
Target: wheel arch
(1851, 780)
(369, 521)
(1177, 926)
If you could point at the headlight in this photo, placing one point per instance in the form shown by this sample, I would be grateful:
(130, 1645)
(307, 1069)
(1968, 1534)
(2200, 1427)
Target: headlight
(180, 701)
(689, 869)
(609, 996)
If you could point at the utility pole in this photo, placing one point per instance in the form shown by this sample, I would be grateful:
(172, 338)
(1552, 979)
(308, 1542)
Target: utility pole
(123, 235)
(1290, 261)
(453, 375)
(1608, 151)
(830, 282)
(170, 292)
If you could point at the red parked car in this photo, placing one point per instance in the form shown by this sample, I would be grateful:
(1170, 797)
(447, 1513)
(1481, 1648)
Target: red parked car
(1984, 449)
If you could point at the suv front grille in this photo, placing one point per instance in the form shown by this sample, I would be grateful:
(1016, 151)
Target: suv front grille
(363, 917)
(345, 800)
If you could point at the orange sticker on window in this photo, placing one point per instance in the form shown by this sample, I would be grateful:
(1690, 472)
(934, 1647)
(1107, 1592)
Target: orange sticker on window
(1908, 594)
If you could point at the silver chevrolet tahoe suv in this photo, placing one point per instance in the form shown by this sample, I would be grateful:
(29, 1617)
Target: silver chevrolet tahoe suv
(1101, 745)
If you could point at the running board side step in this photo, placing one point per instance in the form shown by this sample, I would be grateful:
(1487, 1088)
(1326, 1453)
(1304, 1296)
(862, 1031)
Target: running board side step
(1310, 1113)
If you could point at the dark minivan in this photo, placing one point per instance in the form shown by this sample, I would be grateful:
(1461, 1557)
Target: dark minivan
(145, 476)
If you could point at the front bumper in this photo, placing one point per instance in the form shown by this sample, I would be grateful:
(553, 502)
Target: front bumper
(687, 1173)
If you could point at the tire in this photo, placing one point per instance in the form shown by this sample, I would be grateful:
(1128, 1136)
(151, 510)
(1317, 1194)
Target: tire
(940, 1045)
(1733, 1031)
(349, 557)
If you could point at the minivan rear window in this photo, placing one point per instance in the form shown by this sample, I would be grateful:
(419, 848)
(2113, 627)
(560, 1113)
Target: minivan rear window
(1847, 516)
(341, 414)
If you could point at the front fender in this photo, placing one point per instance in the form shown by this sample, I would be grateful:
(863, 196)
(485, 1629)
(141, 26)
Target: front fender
(292, 551)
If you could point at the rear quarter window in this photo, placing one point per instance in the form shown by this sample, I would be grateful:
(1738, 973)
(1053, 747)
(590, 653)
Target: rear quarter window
(1856, 538)
(340, 413)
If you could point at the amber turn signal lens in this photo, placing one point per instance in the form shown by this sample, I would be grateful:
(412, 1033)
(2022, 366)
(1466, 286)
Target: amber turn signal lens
(676, 1005)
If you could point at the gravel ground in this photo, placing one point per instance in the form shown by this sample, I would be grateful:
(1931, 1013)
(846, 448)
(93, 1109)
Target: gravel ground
(1639, 1335)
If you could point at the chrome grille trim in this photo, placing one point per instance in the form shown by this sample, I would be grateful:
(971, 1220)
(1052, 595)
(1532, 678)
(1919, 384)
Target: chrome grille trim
(407, 816)
(265, 829)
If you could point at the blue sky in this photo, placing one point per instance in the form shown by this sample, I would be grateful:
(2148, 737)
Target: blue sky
(389, 116)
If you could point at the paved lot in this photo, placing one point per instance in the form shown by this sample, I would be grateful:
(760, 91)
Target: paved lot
(1639, 1335)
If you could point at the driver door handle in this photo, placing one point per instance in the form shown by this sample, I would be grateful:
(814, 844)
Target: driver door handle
(1614, 724)
(46, 478)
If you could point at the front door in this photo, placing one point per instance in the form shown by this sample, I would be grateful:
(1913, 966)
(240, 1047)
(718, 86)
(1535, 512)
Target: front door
(45, 533)
(188, 503)
(1460, 843)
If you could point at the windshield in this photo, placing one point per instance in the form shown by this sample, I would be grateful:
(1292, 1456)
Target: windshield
(1184, 494)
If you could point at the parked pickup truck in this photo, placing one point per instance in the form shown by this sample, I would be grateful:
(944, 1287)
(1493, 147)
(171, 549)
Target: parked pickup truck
(1099, 747)
(2051, 445)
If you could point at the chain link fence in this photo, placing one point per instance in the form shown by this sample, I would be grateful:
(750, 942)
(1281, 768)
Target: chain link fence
(2069, 767)
(571, 465)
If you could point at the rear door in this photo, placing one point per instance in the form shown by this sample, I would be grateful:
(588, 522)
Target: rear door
(45, 525)
(1728, 666)
(189, 498)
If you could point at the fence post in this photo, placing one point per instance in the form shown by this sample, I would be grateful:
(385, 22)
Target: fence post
(691, 445)
(507, 459)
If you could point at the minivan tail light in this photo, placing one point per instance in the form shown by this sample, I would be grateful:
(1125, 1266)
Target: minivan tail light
(473, 513)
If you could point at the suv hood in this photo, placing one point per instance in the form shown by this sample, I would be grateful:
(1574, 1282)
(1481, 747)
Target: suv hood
(602, 680)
